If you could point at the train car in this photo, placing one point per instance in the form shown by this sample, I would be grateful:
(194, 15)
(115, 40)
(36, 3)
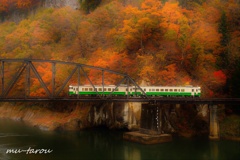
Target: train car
(88, 90)
(172, 91)
(123, 90)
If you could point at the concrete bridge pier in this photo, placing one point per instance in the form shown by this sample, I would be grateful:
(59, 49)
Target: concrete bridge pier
(133, 114)
(213, 123)
(150, 130)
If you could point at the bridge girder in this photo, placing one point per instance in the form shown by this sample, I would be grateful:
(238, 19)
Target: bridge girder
(27, 66)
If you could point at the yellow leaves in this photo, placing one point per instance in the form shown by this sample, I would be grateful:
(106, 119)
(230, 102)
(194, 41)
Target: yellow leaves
(234, 47)
(209, 58)
(208, 35)
(147, 73)
(17, 37)
(132, 11)
(108, 15)
(147, 69)
(129, 27)
(140, 25)
(152, 7)
(168, 76)
(170, 34)
(145, 23)
(39, 35)
(171, 13)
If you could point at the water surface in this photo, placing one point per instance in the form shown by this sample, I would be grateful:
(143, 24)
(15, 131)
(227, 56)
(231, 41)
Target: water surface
(104, 144)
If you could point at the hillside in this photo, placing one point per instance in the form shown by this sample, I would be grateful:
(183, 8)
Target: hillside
(159, 42)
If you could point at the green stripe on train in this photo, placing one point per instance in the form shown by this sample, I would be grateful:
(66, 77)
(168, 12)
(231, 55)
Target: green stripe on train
(95, 93)
(139, 93)
(169, 94)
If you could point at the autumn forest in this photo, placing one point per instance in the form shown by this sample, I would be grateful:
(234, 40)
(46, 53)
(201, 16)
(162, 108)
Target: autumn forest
(157, 42)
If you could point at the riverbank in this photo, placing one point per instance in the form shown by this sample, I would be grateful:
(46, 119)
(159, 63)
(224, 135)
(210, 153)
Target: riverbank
(44, 118)
(230, 127)
(182, 121)
(73, 116)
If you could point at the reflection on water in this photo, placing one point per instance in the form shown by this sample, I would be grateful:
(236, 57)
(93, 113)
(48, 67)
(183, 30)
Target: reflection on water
(105, 144)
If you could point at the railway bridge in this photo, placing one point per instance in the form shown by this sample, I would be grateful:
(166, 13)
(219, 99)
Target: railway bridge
(36, 80)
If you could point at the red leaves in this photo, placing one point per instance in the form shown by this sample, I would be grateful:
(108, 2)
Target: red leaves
(220, 77)
(24, 3)
(7, 5)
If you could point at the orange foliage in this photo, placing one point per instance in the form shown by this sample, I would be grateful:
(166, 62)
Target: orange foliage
(45, 71)
(186, 80)
(171, 15)
(40, 36)
(163, 44)
(147, 74)
(208, 35)
(141, 25)
(4, 4)
(24, 3)
(111, 60)
(211, 14)
(168, 75)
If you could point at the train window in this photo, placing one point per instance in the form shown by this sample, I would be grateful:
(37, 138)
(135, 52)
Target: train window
(166, 90)
(175, 90)
(150, 89)
(153, 89)
(171, 90)
(109, 89)
(126, 89)
(70, 87)
(95, 89)
(144, 89)
(157, 90)
(86, 89)
(105, 89)
(76, 89)
(192, 90)
(131, 89)
(82, 89)
(99, 89)
(182, 90)
(90, 89)
(116, 89)
(162, 90)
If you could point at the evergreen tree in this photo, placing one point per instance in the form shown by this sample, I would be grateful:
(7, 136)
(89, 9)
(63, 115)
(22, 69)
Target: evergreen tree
(89, 5)
(222, 61)
(223, 29)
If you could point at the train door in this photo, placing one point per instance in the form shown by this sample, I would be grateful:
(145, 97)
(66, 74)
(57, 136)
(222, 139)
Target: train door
(75, 90)
(193, 92)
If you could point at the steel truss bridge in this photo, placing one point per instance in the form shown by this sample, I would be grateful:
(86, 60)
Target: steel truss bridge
(24, 70)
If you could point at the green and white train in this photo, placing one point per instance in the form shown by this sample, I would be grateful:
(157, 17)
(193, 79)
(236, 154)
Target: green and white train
(123, 90)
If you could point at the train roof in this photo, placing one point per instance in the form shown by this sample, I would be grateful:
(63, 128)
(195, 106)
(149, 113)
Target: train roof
(88, 85)
(173, 86)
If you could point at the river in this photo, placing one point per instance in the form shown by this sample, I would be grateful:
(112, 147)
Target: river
(102, 144)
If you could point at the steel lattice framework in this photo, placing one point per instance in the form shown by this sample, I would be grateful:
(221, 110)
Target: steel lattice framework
(27, 69)
(27, 66)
